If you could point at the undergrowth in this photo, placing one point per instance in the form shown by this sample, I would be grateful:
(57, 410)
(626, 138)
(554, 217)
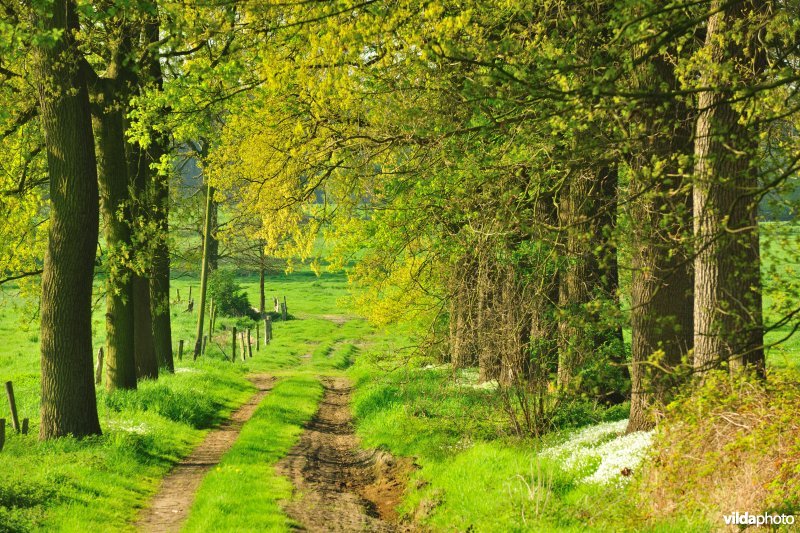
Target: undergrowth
(731, 445)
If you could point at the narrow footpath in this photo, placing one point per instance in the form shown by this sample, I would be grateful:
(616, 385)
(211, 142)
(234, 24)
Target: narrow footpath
(340, 486)
(170, 507)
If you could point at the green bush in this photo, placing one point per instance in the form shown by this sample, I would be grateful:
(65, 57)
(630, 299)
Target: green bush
(229, 298)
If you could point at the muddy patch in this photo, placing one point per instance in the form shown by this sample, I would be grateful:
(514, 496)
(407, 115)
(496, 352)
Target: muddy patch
(170, 507)
(339, 320)
(339, 485)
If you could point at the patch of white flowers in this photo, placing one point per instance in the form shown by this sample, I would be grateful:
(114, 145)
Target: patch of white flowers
(128, 426)
(602, 453)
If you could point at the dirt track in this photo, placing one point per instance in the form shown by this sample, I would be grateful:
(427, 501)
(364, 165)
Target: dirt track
(170, 507)
(341, 486)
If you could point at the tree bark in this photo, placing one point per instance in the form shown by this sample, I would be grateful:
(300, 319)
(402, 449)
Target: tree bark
(146, 360)
(204, 268)
(69, 405)
(213, 242)
(112, 173)
(588, 281)
(661, 278)
(728, 324)
(544, 326)
(159, 277)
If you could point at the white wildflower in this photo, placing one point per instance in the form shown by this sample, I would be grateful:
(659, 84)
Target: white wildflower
(603, 450)
(625, 453)
(128, 426)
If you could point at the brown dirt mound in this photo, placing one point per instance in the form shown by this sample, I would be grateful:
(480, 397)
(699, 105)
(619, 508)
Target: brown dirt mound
(170, 507)
(342, 486)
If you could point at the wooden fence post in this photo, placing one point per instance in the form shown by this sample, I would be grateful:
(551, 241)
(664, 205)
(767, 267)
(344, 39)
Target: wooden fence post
(205, 342)
(180, 350)
(277, 305)
(13, 403)
(178, 295)
(244, 350)
(233, 344)
(268, 330)
(2, 433)
(211, 318)
(249, 345)
(25, 423)
(284, 310)
(98, 371)
(258, 337)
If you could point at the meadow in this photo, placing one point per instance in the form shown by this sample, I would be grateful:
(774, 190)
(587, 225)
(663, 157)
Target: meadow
(472, 471)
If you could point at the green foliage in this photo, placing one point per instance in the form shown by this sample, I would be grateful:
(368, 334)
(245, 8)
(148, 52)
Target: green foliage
(189, 399)
(228, 295)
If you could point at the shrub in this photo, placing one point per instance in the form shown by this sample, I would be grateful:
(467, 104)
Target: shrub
(229, 298)
(733, 444)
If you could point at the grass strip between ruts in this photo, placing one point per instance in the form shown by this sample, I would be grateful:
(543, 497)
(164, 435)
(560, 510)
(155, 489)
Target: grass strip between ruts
(243, 492)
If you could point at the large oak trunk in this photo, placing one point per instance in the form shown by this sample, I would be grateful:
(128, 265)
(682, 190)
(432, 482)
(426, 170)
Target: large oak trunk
(727, 307)
(68, 398)
(661, 278)
(115, 199)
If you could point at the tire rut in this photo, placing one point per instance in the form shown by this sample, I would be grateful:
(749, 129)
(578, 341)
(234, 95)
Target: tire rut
(341, 486)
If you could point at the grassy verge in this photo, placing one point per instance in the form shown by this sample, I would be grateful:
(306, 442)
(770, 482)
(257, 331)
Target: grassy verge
(473, 475)
(243, 491)
(99, 483)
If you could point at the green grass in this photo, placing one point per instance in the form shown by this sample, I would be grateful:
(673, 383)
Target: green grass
(79, 485)
(101, 483)
(243, 492)
(473, 471)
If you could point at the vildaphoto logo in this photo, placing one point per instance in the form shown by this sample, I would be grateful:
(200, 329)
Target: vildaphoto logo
(765, 519)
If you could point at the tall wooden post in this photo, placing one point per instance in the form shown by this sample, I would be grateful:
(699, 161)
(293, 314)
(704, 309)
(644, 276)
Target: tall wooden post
(258, 337)
(244, 349)
(98, 371)
(2, 433)
(233, 344)
(249, 345)
(180, 350)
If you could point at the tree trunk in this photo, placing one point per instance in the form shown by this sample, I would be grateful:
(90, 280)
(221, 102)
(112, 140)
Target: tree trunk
(212, 241)
(727, 308)
(112, 173)
(204, 268)
(146, 360)
(159, 278)
(69, 405)
(661, 278)
(261, 285)
(544, 326)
